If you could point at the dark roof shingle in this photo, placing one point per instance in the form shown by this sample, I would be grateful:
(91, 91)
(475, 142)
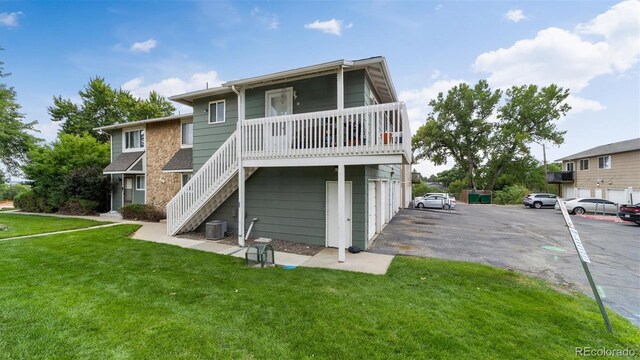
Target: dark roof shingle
(182, 160)
(123, 162)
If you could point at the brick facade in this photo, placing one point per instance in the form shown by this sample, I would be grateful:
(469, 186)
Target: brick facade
(162, 142)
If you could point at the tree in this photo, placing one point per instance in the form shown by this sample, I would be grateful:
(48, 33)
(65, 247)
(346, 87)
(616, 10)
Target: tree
(15, 139)
(527, 117)
(102, 105)
(56, 168)
(458, 127)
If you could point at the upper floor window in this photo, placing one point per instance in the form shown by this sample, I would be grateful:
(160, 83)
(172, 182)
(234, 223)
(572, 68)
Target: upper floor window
(140, 182)
(187, 135)
(584, 164)
(604, 162)
(134, 140)
(216, 112)
(569, 166)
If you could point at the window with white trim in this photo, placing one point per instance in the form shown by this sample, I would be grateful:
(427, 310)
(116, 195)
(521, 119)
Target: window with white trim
(570, 166)
(604, 162)
(134, 140)
(584, 164)
(140, 183)
(187, 134)
(185, 178)
(216, 112)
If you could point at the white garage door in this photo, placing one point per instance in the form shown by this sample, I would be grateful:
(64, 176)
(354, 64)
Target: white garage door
(584, 193)
(569, 192)
(385, 201)
(618, 196)
(371, 207)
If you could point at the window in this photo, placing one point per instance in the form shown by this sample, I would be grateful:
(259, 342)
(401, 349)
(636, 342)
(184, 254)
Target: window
(584, 164)
(570, 166)
(604, 162)
(185, 178)
(134, 140)
(140, 183)
(216, 112)
(187, 134)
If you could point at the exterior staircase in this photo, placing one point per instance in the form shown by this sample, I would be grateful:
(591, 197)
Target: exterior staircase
(216, 180)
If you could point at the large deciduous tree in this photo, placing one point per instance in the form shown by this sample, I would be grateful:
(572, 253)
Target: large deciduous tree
(56, 169)
(15, 139)
(103, 105)
(460, 127)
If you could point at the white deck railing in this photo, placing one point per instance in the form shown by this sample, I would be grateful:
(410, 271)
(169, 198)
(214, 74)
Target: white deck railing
(366, 130)
(208, 180)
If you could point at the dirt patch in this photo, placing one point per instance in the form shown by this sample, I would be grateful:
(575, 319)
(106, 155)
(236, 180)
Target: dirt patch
(278, 245)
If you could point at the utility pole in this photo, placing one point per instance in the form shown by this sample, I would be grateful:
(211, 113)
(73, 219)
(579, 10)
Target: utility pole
(544, 159)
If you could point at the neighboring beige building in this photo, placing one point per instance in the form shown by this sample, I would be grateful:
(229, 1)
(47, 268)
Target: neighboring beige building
(609, 171)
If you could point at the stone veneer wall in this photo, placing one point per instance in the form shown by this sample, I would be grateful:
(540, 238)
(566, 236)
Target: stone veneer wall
(163, 141)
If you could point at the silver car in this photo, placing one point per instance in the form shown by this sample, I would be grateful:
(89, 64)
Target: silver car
(538, 200)
(437, 202)
(589, 205)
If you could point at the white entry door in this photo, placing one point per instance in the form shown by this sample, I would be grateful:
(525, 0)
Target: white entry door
(332, 213)
(598, 193)
(277, 103)
(372, 209)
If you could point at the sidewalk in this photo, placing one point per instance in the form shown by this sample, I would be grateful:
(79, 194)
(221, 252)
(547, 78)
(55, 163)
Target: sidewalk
(328, 258)
(365, 262)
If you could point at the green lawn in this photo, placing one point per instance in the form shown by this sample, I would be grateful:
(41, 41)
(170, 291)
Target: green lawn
(98, 294)
(20, 224)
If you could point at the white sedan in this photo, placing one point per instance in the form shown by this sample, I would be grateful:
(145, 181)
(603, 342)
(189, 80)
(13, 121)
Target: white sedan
(437, 202)
(589, 205)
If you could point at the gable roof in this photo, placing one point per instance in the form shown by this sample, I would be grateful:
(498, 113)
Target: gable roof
(376, 67)
(123, 162)
(181, 160)
(145, 121)
(613, 148)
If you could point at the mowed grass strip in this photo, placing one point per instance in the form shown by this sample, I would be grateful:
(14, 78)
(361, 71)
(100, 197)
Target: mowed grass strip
(99, 294)
(21, 224)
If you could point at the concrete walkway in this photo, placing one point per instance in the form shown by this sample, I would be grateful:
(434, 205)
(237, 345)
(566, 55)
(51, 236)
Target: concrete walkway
(328, 258)
(365, 262)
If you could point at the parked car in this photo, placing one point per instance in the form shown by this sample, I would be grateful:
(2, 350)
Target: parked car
(591, 205)
(437, 202)
(630, 213)
(419, 198)
(538, 200)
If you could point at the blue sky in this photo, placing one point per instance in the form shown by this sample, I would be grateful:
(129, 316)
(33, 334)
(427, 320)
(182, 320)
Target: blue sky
(592, 47)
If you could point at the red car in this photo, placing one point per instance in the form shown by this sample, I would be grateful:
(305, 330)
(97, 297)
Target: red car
(630, 213)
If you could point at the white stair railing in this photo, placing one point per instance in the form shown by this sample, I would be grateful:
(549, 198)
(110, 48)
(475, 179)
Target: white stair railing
(212, 176)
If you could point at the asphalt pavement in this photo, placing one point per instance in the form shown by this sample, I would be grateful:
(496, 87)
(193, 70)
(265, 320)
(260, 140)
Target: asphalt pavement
(531, 241)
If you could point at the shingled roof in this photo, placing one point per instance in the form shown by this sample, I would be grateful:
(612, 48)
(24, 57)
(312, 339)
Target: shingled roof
(182, 160)
(613, 148)
(123, 162)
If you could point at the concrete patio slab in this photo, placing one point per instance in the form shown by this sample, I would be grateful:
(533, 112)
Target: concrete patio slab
(210, 246)
(365, 262)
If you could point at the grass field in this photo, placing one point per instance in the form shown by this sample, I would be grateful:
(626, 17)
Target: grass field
(99, 294)
(20, 224)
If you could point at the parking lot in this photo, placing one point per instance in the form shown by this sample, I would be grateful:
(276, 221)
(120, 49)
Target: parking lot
(531, 241)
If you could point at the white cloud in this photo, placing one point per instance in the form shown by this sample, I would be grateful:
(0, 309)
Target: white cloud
(332, 26)
(144, 46)
(173, 86)
(9, 19)
(567, 58)
(439, 6)
(48, 130)
(515, 15)
(579, 104)
(417, 100)
(270, 20)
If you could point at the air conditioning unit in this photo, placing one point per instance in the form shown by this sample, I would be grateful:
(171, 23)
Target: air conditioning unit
(215, 229)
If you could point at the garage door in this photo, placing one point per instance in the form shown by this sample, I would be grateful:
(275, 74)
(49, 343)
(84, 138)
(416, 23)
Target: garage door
(371, 207)
(569, 192)
(585, 193)
(385, 201)
(618, 196)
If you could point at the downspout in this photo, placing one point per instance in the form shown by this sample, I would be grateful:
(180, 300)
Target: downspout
(241, 202)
